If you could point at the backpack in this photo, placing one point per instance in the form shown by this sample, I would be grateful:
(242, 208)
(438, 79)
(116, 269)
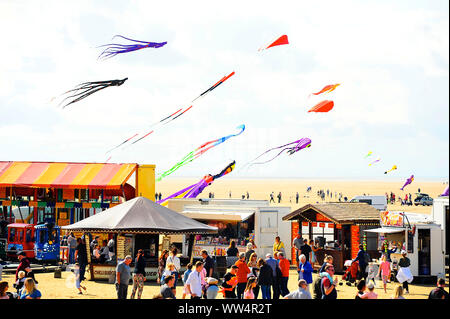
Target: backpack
(318, 288)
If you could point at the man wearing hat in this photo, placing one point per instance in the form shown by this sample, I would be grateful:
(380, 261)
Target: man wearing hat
(24, 265)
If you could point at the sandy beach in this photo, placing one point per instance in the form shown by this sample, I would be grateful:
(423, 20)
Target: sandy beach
(261, 189)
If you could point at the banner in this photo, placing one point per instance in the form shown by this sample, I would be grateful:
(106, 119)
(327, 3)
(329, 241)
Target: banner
(393, 219)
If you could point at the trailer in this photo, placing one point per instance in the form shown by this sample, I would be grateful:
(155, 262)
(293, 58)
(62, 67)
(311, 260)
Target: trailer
(441, 216)
(419, 236)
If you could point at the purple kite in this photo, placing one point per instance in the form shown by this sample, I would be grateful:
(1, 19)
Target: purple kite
(194, 190)
(445, 193)
(298, 145)
(408, 181)
(112, 49)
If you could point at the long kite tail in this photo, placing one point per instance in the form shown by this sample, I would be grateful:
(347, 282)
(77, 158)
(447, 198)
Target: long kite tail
(269, 150)
(222, 80)
(284, 149)
(177, 194)
(112, 49)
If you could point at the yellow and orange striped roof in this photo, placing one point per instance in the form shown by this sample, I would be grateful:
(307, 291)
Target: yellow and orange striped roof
(65, 175)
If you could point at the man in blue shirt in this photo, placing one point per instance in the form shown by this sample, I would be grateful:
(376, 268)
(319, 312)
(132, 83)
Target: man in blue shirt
(362, 262)
(123, 275)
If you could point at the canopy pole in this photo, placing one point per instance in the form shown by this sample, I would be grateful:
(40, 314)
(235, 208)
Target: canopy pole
(123, 193)
(192, 242)
(18, 206)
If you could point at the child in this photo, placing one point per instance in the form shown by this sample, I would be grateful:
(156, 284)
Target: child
(170, 270)
(185, 277)
(212, 289)
(20, 281)
(248, 292)
(370, 294)
(76, 272)
(385, 270)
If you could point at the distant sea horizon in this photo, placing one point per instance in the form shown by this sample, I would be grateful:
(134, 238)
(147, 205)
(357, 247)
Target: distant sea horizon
(377, 179)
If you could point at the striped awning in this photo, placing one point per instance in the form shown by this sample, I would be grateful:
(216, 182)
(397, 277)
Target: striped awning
(65, 175)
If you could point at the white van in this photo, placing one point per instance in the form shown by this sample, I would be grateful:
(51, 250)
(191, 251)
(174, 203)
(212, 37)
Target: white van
(377, 201)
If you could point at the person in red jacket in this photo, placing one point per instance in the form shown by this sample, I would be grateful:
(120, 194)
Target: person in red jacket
(284, 266)
(241, 275)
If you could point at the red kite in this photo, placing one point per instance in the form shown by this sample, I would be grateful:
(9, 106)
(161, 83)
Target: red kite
(323, 106)
(280, 41)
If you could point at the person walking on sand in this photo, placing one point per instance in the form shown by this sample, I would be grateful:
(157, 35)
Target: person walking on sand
(81, 257)
(284, 267)
(313, 255)
(327, 286)
(185, 278)
(271, 198)
(229, 283)
(175, 260)
(279, 197)
(296, 197)
(162, 264)
(72, 244)
(362, 262)
(385, 271)
(76, 272)
(24, 265)
(297, 243)
(278, 245)
(194, 282)
(241, 275)
(249, 289)
(123, 275)
(139, 275)
(265, 278)
(404, 275)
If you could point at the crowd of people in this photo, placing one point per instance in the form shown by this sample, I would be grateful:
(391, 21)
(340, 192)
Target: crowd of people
(249, 277)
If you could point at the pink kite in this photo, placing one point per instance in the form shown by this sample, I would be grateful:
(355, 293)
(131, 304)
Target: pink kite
(280, 41)
(324, 106)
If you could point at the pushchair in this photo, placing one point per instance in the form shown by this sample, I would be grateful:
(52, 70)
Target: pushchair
(351, 272)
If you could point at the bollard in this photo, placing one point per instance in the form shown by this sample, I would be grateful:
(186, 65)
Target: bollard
(57, 273)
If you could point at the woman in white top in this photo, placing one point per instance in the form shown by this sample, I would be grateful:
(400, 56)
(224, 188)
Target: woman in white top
(176, 262)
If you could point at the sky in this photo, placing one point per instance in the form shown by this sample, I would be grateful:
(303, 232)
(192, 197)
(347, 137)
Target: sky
(391, 58)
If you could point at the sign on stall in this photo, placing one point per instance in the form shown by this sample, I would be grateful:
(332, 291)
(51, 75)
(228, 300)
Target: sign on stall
(393, 219)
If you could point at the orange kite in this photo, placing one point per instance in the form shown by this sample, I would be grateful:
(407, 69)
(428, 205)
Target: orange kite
(323, 106)
(328, 89)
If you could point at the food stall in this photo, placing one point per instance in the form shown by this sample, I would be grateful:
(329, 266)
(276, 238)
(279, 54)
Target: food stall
(239, 220)
(136, 224)
(337, 228)
(419, 236)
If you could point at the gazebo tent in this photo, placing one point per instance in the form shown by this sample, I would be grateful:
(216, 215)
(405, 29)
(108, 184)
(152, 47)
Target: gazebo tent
(141, 215)
(137, 222)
